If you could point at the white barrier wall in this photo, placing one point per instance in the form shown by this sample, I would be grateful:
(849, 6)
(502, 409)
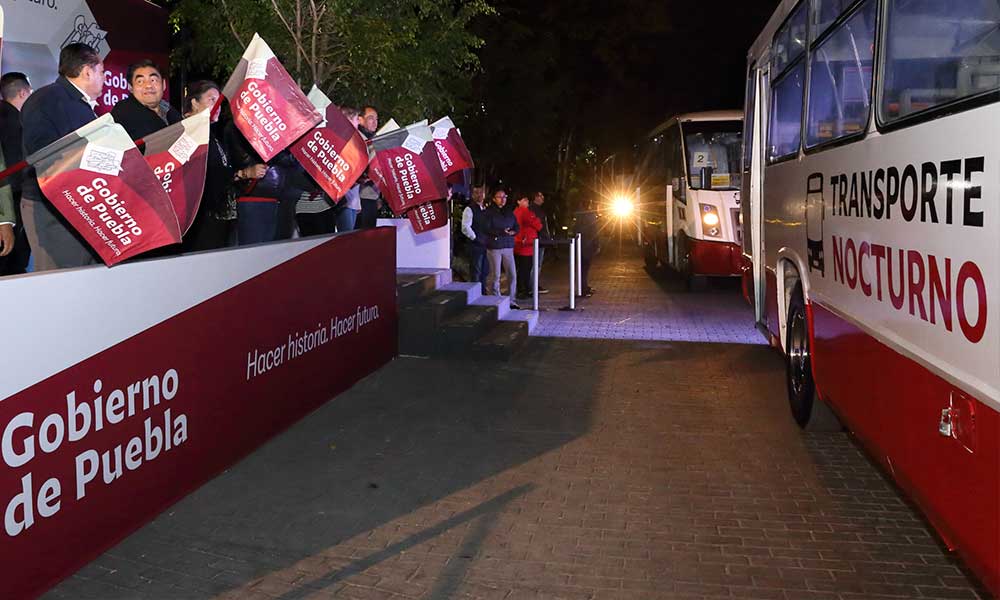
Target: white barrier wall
(428, 250)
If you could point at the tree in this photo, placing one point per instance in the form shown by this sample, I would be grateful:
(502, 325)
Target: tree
(410, 57)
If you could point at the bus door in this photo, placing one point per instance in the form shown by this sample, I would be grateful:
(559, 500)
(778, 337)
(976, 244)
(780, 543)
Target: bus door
(755, 126)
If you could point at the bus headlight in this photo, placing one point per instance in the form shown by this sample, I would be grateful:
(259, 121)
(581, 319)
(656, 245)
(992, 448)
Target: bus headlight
(621, 206)
(710, 221)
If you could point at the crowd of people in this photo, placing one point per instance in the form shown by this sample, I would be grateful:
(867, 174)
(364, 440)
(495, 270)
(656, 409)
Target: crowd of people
(245, 200)
(500, 238)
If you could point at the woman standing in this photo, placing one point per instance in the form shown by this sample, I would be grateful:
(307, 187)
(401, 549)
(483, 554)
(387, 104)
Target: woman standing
(524, 246)
(214, 225)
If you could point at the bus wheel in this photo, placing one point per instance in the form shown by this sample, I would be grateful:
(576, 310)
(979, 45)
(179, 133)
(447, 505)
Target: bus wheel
(808, 409)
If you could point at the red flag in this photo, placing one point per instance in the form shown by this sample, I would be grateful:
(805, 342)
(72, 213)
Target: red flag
(451, 148)
(334, 152)
(406, 168)
(178, 156)
(429, 215)
(98, 180)
(269, 109)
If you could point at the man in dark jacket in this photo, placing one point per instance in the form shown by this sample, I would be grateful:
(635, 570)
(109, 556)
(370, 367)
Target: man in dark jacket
(501, 227)
(588, 227)
(15, 89)
(50, 113)
(144, 111)
(474, 230)
(544, 236)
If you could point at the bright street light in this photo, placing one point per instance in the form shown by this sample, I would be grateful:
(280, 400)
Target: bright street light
(621, 206)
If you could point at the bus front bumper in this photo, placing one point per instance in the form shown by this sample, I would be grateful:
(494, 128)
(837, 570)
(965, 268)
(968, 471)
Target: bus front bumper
(720, 259)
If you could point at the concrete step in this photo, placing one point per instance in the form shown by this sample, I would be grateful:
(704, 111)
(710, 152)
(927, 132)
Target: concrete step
(500, 303)
(411, 288)
(420, 322)
(472, 291)
(442, 277)
(502, 341)
(525, 316)
(458, 332)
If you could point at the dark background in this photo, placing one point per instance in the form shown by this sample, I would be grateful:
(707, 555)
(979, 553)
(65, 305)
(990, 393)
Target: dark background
(592, 78)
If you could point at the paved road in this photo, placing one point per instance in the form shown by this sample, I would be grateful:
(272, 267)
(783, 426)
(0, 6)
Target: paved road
(583, 469)
(630, 304)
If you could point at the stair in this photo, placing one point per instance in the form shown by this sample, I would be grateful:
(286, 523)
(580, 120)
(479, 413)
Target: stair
(438, 317)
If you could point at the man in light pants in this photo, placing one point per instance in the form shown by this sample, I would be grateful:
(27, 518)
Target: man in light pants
(501, 226)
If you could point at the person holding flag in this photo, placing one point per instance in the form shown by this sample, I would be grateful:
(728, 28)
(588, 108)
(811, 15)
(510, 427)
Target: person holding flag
(52, 112)
(144, 111)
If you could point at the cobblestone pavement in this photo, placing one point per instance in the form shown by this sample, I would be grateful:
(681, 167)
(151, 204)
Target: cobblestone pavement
(633, 305)
(583, 469)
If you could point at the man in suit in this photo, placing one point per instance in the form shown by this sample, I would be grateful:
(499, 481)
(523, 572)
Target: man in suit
(144, 111)
(15, 90)
(50, 113)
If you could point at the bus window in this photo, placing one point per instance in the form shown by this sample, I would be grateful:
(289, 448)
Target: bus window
(786, 114)
(841, 81)
(714, 144)
(675, 162)
(823, 14)
(938, 53)
(790, 41)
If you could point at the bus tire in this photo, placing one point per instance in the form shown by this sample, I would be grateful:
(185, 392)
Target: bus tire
(810, 412)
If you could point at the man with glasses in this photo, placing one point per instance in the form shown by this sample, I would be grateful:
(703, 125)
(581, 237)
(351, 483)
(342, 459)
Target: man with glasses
(501, 226)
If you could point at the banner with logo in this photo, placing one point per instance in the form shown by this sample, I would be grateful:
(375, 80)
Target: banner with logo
(451, 148)
(428, 216)
(100, 182)
(178, 155)
(123, 32)
(151, 399)
(269, 109)
(333, 153)
(406, 168)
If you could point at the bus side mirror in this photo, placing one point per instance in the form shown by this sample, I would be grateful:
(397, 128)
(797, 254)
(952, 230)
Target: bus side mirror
(706, 178)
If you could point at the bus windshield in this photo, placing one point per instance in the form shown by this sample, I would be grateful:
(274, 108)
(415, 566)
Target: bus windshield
(715, 144)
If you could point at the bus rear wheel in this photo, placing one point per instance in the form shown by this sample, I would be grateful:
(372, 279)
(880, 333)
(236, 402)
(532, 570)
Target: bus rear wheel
(810, 412)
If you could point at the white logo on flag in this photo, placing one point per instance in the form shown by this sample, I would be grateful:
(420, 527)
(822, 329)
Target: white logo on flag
(414, 144)
(107, 161)
(441, 133)
(183, 148)
(257, 69)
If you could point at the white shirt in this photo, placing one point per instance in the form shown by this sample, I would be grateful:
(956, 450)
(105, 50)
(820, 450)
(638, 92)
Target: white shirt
(467, 223)
(86, 96)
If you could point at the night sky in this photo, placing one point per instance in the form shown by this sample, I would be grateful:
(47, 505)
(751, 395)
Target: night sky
(607, 71)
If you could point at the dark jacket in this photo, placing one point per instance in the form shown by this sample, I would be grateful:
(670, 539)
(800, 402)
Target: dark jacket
(139, 121)
(283, 171)
(544, 233)
(11, 142)
(588, 228)
(50, 113)
(219, 176)
(480, 224)
(498, 220)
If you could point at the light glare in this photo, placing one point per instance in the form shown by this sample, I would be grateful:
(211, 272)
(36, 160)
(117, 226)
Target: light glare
(621, 206)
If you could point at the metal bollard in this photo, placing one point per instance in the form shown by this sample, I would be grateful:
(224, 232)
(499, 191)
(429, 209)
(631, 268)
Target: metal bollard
(579, 264)
(534, 275)
(572, 274)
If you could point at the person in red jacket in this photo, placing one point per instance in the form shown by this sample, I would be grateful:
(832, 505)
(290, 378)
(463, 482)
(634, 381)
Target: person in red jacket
(524, 245)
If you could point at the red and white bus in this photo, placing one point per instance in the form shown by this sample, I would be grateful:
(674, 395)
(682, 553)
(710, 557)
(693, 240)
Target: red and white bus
(688, 182)
(872, 236)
